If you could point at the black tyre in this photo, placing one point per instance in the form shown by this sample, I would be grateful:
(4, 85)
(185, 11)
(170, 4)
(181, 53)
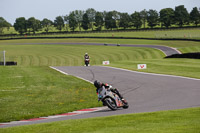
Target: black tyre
(126, 106)
(86, 63)
(110, 102)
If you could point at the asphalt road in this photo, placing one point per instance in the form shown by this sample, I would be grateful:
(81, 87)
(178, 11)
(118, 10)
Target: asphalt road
(145, 92)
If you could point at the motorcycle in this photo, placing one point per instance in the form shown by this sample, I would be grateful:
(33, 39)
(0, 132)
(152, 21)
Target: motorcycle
(87, 62)
(111, 99)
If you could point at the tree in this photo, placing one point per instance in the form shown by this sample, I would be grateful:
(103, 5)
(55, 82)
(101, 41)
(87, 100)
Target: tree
(33, 24)
(110, 22)
(181, 15)
(124, 20)
(91, 16)
(59, 23)
(72, 21)
(195, 16)
(85, 22)
(79, 17)
(167, 17)
(66, 19)
(143, 15)
(20, 25)
(99, 20)
(116, 17)
(152, 18)
(3, 24)
(46, 24)
(136, 19)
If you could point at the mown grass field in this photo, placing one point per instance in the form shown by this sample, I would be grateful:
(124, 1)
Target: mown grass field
(69, 55)
(171, 33)
(32, 89)
(31, 92)
(176, 121)
(192, 33)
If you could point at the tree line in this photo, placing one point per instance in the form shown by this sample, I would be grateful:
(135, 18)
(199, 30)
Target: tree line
(95, 20)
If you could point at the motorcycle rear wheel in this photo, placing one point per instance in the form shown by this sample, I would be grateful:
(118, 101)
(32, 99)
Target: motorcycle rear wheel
(125, 106)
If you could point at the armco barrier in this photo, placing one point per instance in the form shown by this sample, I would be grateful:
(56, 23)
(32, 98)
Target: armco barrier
(186, 55)
(9, 63)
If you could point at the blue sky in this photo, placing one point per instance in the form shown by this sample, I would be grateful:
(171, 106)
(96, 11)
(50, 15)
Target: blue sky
(40, 9)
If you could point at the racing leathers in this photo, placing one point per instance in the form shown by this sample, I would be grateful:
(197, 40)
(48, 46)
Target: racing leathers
(114, 90)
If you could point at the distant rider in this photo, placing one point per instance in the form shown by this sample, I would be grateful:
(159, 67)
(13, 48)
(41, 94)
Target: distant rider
(99, 85)
(87, 59)
(86, 56)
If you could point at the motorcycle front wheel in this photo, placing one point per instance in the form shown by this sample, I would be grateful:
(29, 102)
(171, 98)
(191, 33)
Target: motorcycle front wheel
(86, 63)
(110, 102)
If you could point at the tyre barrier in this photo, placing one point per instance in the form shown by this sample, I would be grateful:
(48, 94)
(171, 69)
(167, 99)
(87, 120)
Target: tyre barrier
(185, 55)
(8, 63)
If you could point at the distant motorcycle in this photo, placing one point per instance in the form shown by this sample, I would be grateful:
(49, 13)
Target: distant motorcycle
(87, 62)
(111, 99)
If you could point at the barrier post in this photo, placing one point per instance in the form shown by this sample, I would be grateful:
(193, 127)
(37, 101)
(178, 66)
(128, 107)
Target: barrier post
(4, 57)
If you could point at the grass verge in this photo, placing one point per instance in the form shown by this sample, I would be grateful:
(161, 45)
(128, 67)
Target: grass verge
(31, 92)
(180, 67)
(190, 33)
(176, 121)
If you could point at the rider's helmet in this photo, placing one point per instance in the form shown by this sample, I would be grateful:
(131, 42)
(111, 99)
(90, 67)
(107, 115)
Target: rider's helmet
(107, 85)
(86, 53)
(97, 84)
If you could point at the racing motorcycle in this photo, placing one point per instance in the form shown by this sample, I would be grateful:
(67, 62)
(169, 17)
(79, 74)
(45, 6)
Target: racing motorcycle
(87, 62)
(111, 99)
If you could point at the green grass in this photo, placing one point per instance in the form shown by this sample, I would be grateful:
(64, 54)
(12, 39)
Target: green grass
(176, 121)
(188, 33)
(180, 67)
(192, 33)
(30, 92)
(69, 55)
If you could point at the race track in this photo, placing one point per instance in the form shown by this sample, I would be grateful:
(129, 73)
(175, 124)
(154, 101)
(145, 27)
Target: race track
(145, 92)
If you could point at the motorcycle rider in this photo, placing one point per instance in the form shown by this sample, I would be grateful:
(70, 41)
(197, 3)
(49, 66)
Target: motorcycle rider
(99, 85)
(86, 56)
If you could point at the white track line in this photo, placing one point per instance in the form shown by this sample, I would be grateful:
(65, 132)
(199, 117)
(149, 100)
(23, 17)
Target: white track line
(59, 70)
(68, 74)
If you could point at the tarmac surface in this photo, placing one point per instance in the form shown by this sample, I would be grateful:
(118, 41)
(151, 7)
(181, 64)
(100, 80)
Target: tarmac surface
(144, 92)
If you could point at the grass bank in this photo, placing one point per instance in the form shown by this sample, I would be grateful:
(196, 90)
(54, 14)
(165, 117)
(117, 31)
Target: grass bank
(190, 33)
(73, 55)
(31, 92)
(180, 67)
(176, 121)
